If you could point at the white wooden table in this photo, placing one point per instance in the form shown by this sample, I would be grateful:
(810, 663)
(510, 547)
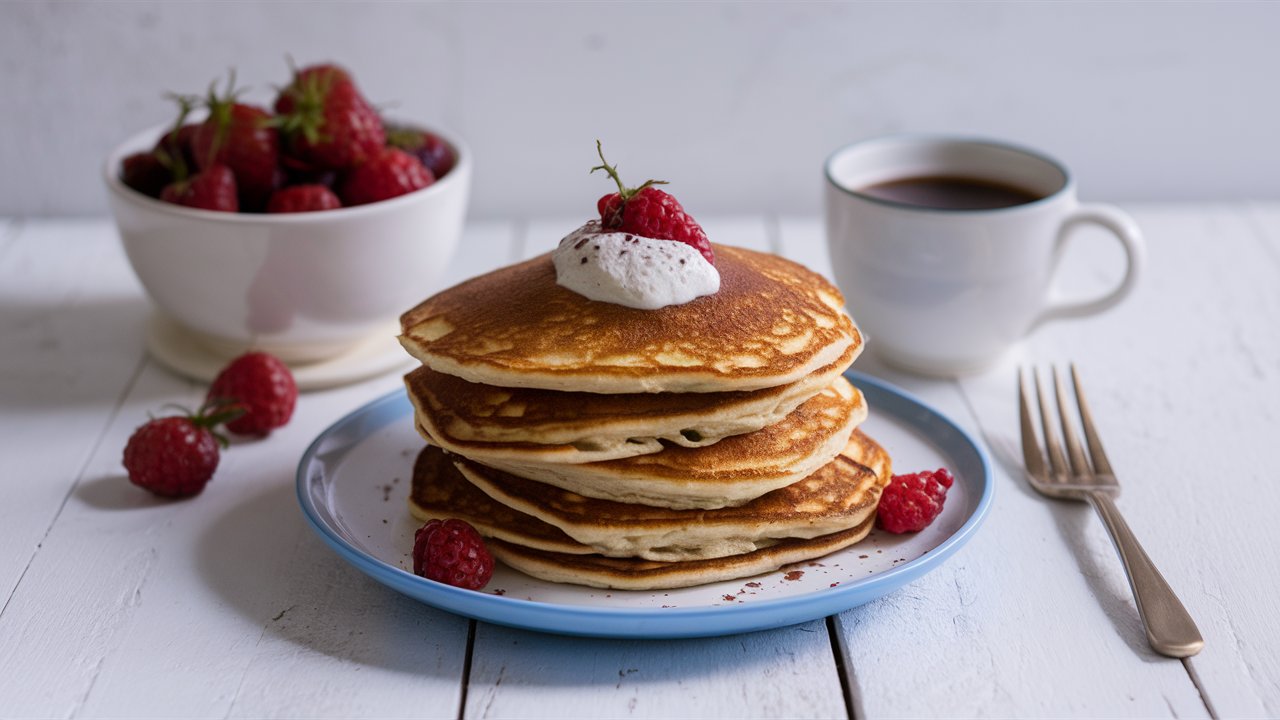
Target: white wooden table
(228, 605)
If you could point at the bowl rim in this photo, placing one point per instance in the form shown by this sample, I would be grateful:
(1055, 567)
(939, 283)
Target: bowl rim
(143, 139)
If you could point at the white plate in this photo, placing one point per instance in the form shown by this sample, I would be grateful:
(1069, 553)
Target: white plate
(354, 480)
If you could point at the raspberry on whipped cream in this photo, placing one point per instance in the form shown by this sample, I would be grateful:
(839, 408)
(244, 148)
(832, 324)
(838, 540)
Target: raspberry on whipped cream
(627, 269)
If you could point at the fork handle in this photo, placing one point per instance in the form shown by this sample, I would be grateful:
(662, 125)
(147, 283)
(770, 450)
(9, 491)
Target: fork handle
(1170, 629)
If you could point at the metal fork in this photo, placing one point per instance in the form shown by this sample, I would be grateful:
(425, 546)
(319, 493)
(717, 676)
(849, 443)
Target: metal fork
(1170, 629)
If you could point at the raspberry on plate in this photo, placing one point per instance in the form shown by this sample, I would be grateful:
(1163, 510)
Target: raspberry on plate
(452, 552)
(910, 502)
(261, 385)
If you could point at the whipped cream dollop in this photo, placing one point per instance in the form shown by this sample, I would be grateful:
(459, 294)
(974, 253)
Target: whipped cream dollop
(627, 269)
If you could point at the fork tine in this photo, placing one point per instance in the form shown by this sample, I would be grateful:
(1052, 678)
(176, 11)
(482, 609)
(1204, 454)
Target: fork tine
(1056, 459)
(1031, 453)
(1079, 464)
(1100, 463)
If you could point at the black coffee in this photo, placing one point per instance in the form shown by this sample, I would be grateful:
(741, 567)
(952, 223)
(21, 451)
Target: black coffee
(950, 193)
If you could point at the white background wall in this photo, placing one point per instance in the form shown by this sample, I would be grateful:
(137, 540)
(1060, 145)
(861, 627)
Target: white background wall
(736, 104)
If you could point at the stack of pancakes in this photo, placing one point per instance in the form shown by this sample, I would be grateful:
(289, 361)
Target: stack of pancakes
(601, 445)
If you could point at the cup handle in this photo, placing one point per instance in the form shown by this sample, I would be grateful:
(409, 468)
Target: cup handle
(1126, 231)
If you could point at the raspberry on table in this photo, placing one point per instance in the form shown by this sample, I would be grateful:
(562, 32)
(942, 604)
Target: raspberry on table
(262, 386)
(452, 552)
(176, 456)
(912, 501)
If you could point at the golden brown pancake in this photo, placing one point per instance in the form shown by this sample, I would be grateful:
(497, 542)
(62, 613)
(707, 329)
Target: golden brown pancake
(837, 496)
(772, 323)
(731, 472)
(836, 405)
(459, 411)
(439, 492)
(532, 546)
(636, 574)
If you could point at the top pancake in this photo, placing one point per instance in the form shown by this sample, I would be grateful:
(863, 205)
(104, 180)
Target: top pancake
(771, 323)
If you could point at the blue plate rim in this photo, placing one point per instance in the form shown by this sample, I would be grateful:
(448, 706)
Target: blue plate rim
(655, 623)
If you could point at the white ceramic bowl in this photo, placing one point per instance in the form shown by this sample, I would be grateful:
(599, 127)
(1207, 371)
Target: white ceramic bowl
(304, 286)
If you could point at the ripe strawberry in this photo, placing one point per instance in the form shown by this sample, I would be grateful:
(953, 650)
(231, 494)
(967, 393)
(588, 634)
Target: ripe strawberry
(169, 160)
(262, 386)
(176, 456)
(389, 173)
(297, 172)
(243, 138)
(176, 146)
(212, 189)
(321, 76)
(303, 198)
(326, 122)
(145, 173)
(649, 212)
(452, 552)
(428, 147)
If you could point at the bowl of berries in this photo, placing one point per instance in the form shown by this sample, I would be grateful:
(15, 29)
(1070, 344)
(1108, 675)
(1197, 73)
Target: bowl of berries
(302, 229)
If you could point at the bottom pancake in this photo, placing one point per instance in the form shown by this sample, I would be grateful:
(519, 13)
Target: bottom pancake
(636, 574)
(439, 492)
(837, 496)
(542, 550)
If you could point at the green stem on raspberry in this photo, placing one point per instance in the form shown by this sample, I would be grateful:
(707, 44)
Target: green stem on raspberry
(624, 192)
(218, 411)
(214, 412)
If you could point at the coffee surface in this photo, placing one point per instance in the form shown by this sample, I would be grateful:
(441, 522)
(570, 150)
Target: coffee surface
(950, 193)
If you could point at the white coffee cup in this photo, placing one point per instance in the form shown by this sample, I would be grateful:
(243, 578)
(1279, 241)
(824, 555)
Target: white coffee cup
(948, 291)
